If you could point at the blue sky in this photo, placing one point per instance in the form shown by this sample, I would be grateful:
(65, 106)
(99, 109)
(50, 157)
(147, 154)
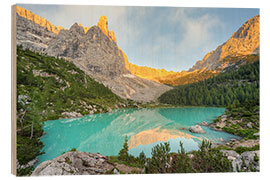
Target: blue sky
(172, 38)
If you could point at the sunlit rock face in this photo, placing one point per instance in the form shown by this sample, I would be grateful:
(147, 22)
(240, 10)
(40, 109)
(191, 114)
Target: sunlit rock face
(148, 72)
(92, 49)
(245, 41)
(112, 35)
(38, 34)
(99, 56)
(31, 35)
(85, 29)
(103, 25)
(38, 20)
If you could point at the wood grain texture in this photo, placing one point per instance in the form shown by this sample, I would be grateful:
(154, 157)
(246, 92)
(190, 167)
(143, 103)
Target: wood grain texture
(13, 89)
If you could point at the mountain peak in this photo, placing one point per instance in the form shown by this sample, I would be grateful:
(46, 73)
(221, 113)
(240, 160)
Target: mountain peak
(103, 25)
(249, 28)
(85, 28)
(245, 41)
(38, 20)
(76, 28)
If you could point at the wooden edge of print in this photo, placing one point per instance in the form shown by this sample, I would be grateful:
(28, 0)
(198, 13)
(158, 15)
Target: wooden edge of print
(13, 90)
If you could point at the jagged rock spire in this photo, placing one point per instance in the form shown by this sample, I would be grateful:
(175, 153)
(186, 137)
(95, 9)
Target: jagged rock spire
(103, 25)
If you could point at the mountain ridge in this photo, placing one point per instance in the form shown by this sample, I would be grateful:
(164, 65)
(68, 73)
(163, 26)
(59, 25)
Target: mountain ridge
(94, 52)
(242, 42)
(245, 41)
(38, 20)
(102, 24)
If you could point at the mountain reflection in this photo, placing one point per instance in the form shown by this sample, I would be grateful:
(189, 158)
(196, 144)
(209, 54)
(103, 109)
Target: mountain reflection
(105, 133)
(157, 134)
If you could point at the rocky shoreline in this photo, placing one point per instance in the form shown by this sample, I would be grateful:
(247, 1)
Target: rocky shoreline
(82, 163)
(246, 161)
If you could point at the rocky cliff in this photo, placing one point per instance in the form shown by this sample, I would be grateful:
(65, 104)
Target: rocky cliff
(148, 72)
(245, 41)
(31, 35)
(82, 163)
(38, 20)
(239, 49)
(94, 50)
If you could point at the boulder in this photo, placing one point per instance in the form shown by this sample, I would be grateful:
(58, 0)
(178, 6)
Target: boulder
(204, 123)
(109, 109)
(196, 129)
(190, 156)
(247, 157)
(74, 163)
(257, 134)
(82, 163)
(29, 164)
(234, 157)
(249, 125)
(71, 114)
(115, 171)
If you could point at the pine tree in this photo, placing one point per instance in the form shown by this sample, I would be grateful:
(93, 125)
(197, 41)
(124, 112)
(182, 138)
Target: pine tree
(123, 154)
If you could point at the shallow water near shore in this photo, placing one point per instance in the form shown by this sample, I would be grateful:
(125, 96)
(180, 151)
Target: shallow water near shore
(105, 133)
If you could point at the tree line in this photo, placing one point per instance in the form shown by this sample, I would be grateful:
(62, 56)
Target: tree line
(232, 87)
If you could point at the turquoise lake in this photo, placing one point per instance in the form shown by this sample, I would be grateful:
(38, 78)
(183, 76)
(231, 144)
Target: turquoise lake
(105, 133)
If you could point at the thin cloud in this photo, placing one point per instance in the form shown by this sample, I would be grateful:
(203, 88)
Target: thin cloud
(170, 38)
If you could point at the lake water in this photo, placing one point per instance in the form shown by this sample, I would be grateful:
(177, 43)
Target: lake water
(105, 133)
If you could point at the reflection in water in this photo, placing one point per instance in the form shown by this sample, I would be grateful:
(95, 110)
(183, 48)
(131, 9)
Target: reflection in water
(189, 145)
(157, 135)
(105, 133)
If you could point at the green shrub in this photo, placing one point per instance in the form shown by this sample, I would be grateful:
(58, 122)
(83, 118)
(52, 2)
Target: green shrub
(208, 159)
(25, 172)
(49, 95)
(73, 150)
(160, 159)
(241, 149)
(181, 162)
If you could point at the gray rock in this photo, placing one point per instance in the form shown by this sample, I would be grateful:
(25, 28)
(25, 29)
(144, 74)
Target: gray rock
(72, 163)
(29, 164)
(257, 134)
(94, 53)
(23, 99)
(249, 125)
(71, 114)
(237, 162)
(31, 35)
(115, 171)
(248, 157)
(91, 112)
(109, 109)
(196, 129)
(204, 123)
(191, 156)
(234, 157)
